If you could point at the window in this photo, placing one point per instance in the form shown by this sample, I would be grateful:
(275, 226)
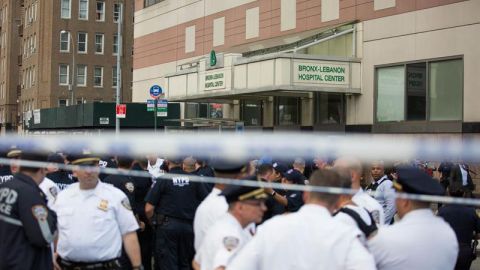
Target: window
(152, 2)
(116, 12)
(100, 12)
(98, 77)
(62, 103)
(115, 44)
(99, 43)
(423, 91)
(287, 111)
(82, 42)
(83, 9)
(65, 9)
(33, 75)
(64, 41)
(114, 76)
(329, 108)
(81, 75)
(63, 74)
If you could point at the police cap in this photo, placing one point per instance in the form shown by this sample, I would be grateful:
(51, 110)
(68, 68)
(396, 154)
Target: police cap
(223, 165)
(280, 168)
(14, 153)
(295, 176)
(84, 158)
(414, 180)
(56, 158)
(242, 193)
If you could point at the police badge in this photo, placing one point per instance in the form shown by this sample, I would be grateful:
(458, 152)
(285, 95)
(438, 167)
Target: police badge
(230, 242)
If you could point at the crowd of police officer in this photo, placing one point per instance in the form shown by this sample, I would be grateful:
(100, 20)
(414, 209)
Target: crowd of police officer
(93, 220)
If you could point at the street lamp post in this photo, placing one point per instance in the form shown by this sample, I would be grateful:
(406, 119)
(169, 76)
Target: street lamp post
(119, 68)
(74, 81)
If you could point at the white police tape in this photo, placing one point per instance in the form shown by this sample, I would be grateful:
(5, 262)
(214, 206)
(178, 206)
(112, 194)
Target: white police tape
(257, 145)
(250, 183)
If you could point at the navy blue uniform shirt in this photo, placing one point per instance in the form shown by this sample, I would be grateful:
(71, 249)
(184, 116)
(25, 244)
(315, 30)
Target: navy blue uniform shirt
(26, 226)
(126, 184)
(61, 178)
(177, 197)
(463, 220)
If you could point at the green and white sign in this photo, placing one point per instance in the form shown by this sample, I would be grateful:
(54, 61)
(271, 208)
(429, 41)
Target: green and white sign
(215, 80)
(325, 73)
(162, 109)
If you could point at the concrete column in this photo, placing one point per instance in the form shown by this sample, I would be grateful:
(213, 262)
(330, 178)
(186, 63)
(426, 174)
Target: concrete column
(268, 112)
(307, 108)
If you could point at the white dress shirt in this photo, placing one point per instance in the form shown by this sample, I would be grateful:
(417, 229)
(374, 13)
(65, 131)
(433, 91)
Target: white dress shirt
(349, 221)
(210, 210)
(373, 206)
(155, 170)
(222, 241)
(419, 240)
(91, 223)
(51, 190)
(385, 195)
(305, 240)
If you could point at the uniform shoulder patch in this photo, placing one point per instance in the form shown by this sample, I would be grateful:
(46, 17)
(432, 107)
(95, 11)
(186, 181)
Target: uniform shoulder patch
(230, 242)
(126, 204)
(130, 187)
(40, 212)
(376, 216)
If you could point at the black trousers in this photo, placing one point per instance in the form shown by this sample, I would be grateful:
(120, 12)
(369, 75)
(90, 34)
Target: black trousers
(174, 245)
(464, 260)
(145, 238)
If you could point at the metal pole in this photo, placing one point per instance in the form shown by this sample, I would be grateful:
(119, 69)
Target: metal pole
(74, 81)
(119, 55)
(155, 116)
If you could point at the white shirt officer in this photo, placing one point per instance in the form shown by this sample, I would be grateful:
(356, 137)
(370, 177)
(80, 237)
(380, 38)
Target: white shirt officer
(349, 221)
(211, 209)
(92, 222)
(305, 240)
(221, 242)
(385, 195)
(420, 240)
(373, 206)
(51, 190)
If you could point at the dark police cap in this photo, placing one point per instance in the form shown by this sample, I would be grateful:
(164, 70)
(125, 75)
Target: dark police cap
(56, 158)
(295, 176)
(241, 193)
(413, 180)
(14, 153)
(223, 165)
(280, 167)
(84, 158)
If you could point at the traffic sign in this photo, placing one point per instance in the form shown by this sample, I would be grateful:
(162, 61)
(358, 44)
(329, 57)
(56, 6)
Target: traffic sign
(150, 105)
(121, 110)
(156, 91)
(162, 109)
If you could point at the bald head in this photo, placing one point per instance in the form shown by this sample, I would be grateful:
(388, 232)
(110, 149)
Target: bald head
(189, 164)
(353, 166)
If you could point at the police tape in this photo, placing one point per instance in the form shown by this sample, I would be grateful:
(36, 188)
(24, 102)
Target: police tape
(239, 182)
(256, 145)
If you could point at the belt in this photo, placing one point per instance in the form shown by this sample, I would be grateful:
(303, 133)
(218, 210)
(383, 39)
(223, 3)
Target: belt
(163, 218)
(110, 264)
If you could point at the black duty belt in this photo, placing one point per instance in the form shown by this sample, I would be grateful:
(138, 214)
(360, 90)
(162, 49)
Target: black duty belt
(160, 219)
(110, 265)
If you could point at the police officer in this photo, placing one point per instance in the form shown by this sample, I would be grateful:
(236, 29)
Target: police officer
(227, 236)
(145, 235)
(174, 202)
(126, 184)
(58, 175)
(213, 207)
(381, 190)
(5, 173)
(420, 240)
(307, 239)
(94, 219)
(276, 201)
(465, 222)
(26, 224)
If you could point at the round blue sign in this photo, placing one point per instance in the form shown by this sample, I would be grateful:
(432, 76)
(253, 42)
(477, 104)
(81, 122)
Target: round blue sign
(155, 91)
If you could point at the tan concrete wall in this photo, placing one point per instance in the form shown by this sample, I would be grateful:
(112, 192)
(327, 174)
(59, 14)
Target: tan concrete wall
(445, 31)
